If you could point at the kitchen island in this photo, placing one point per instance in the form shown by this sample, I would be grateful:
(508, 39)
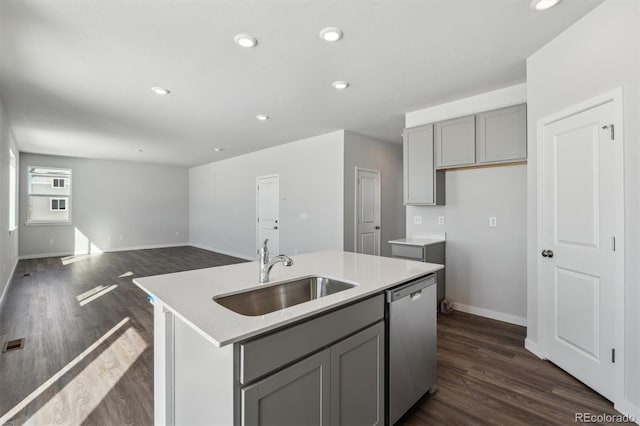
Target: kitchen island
(213, 365)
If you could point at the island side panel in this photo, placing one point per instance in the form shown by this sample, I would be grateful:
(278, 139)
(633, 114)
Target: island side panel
(203, 379)
(163, 364)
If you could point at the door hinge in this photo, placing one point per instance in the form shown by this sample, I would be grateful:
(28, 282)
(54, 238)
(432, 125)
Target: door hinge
(613, 132)
(613, 243)
(613, 355)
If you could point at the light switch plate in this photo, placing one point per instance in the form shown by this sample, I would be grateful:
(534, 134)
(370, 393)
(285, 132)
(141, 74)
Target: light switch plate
(440, 220)
(304, 216)
(417, 220)
(493, 222)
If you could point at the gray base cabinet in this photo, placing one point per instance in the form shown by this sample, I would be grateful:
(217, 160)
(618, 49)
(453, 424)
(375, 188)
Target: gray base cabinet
(433, 253)
(357, 379)
(298, 395)
(341, 385)
(328, 370)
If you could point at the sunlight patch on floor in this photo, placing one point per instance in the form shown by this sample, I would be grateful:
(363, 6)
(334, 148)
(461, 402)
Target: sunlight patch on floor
(64, 370)
(126, 274)
(94, 293)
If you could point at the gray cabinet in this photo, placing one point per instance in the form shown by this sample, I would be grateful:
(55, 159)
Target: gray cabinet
(501, 135)
(455, 142)
(327, 370)
(432, 253)
(423, 185)
(357, 378)
(297, 395)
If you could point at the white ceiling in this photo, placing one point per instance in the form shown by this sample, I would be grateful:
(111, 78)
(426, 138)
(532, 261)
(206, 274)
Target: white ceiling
(75, 76)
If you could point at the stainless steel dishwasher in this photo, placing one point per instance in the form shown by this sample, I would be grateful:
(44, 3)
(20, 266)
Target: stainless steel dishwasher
(411, 351)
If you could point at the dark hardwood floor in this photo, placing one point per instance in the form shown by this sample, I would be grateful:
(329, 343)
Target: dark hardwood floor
(110, 383)
(88, 357)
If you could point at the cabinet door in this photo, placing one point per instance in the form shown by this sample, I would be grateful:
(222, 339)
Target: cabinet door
(455, 142)
(418, 165)
(357, 378)
(297, 395)
(502, 135)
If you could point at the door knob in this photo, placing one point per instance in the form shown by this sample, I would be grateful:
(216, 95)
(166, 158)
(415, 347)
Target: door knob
(547, 253)
(275, 227)
(377, 227)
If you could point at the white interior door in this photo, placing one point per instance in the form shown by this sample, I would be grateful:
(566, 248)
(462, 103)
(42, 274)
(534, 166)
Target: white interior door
(581, 179)
(268, 212)
(368, 211)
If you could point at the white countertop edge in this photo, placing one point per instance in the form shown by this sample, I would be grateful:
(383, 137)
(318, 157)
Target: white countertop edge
(294, 319)
(417, 241)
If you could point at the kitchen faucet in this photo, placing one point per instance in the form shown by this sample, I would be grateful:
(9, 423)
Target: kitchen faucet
(266, 264)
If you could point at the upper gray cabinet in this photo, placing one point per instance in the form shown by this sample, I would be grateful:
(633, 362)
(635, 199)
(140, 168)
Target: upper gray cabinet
(455, 142)
(501, 135)
(423, 185)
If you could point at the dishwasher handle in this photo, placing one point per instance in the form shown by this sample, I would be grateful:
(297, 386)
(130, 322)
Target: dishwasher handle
(412, 289)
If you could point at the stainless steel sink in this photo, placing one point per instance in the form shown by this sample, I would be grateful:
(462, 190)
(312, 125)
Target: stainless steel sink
(273, 298)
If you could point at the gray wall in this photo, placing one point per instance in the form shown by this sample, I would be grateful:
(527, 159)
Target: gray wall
(486, 267)
(115, 205)
(8, 240)
(363, 151)
(223, 197)
(595, 55)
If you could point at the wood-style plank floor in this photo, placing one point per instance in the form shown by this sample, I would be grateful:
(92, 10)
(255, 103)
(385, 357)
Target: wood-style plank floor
(93, 339)
(88, 357)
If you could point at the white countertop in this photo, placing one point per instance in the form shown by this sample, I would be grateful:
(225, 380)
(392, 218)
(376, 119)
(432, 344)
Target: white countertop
(417, 241)
(189, 294)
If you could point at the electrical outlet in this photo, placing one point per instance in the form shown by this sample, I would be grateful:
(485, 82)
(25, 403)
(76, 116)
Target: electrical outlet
(417, 220)
(51, 242)
(493, 222)
(121, 237)
(178, 234)
(304, 216)
(440, 220)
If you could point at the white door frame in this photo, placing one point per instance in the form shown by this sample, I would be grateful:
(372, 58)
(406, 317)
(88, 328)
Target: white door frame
(355, 206)
(275, 175)
(615, 96)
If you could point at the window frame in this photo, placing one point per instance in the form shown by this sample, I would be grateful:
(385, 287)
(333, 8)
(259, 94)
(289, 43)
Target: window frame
(68, 198)
(13, 190)
(61, 183)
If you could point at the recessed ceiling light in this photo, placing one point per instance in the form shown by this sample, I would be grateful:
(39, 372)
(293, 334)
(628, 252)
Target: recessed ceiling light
(160, 90)
(245, 40)
(331, 34)
(262, 117)
(218, 149)
(543, 4)
(340, 85)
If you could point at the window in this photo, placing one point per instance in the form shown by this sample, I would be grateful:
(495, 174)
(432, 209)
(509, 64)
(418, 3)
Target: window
(49, 195)
(13, 179)
(58, 204)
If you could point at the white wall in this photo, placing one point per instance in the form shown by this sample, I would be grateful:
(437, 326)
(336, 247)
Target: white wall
(8, 240)
(363, 151)
(486, 267)
(115, 205)
(595, 55)
(222, 197)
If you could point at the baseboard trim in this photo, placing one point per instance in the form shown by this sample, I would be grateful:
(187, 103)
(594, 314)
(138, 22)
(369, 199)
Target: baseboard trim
(217, 250)
(630, 410)
(532, 347)
(487, 313)
(6, 287)
(115, 249)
